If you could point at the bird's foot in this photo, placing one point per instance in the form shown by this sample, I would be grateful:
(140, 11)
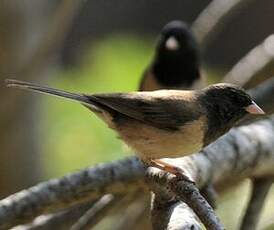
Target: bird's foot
(178, 172)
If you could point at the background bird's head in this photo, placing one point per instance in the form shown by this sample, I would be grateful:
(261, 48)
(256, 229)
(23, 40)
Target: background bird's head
(177, 39)
(177, 59)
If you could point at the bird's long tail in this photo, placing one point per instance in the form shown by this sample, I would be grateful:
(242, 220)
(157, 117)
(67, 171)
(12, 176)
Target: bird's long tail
(86, 100)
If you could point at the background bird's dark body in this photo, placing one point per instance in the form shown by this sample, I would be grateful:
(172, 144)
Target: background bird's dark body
(176, 64)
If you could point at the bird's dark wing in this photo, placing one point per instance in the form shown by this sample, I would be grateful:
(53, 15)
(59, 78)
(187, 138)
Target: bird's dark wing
(161, 112)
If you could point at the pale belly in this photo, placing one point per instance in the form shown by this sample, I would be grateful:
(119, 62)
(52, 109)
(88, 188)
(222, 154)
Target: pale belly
(153, 143)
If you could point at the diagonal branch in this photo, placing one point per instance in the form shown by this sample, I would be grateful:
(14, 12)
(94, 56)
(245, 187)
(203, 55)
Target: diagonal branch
(108, 204)
(211, 20)
(255, 66)
(260, 188)
(186, 192)
(96, 212)
(224, 162)
(60, 220)
(117, 177)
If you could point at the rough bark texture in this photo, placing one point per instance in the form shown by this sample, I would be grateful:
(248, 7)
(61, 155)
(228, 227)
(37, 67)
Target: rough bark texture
(246, 151)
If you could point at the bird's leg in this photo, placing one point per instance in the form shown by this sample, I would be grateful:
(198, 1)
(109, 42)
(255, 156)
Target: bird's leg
(178, 172)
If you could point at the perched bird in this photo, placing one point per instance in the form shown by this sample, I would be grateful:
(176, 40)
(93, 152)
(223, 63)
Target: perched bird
(164, 123)
(176, 63)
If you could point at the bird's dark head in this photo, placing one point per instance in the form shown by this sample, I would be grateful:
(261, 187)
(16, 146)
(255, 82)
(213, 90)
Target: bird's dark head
(176, 38)
(226, 104)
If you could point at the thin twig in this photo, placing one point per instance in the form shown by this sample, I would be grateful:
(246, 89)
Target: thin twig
(96, 213)
(107, 205)
(260, 188)
(253, 65)
(61, 220)
(189, 193)
(134, 214)
(213, 18)
(186, 192)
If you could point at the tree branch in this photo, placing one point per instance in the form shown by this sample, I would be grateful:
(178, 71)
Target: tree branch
(117, 177)
(255, 66)
(107, 205)
(60, 220)
(96, 212)
(172, 214)
(213, 18)
(224, 162)
(184, 191)
(135, 214)
(260, 188)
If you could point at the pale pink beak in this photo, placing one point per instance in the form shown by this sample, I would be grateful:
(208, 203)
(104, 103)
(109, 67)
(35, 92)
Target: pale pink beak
(254, 109)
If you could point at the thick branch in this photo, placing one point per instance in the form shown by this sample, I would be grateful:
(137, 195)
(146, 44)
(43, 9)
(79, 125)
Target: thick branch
(224, 162)
(255, 67)
(260, 188)
(173, 214)
(211, 20)
(184, 191)
(120, 176)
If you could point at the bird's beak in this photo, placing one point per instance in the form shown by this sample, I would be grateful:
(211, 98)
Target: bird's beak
(172, 43)
(254, 109)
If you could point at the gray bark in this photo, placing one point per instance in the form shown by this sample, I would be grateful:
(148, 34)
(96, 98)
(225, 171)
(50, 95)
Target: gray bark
(246, 151)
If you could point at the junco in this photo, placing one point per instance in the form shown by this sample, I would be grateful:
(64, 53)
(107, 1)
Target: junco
(176, 63)
(164, 123)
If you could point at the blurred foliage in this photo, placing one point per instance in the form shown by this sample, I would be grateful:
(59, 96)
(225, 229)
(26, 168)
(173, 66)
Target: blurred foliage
(72, 136)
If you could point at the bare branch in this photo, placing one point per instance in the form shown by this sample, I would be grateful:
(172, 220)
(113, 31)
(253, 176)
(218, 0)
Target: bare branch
(255, 67)
(186, 192)
(117, 177)
(60, 220)
(136, 214)
(96, 212)
(167, 213)
(213, 18)
(260, 188)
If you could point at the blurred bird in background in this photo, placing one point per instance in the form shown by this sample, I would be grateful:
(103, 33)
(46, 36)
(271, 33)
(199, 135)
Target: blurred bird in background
(176, 63)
